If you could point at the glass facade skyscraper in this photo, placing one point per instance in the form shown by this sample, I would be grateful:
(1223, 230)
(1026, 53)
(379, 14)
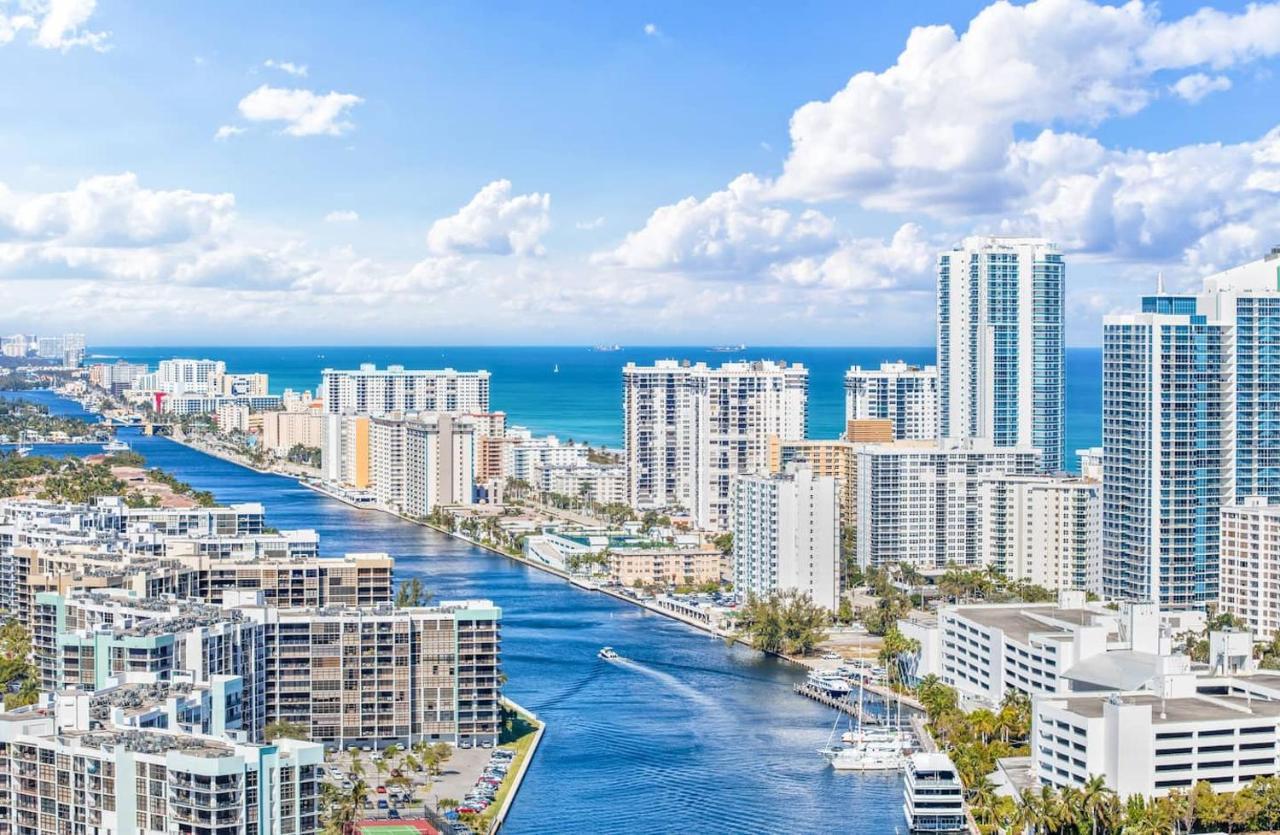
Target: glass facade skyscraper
(1190, 424)
(1000, 344)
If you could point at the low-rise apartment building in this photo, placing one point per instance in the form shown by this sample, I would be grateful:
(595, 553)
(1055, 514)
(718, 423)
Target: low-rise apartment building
(989, 651)
(666, 567)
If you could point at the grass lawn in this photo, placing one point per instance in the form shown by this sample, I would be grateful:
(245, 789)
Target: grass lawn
(518, 738)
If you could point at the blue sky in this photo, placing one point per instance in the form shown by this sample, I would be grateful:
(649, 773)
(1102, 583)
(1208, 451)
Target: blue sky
(648, 173)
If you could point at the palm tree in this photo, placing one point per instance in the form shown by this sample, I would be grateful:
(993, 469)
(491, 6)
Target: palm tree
(1029, 814)
(1094, 796)
(982, 799)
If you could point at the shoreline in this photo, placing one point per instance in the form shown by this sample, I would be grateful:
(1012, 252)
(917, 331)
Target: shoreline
(518, 778)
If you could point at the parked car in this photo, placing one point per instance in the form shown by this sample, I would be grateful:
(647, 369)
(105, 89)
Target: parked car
(382, 804)
(393, 814)
(381, 789)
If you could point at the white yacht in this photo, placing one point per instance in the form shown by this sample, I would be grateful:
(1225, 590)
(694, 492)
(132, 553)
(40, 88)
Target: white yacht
(115, 445)
(829, 681)
(869, 755)
(608, 654)
(932, 796)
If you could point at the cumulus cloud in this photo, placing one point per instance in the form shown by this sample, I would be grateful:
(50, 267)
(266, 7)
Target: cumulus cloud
(1196, 86)
(651, 29)
(114, 211)
(303, 112)
(53, 24)
(225, 132)
(288, 67)
(341, 216)
(730, 230)
(594, 223)
(905, 261)
(494, 222)
(932, 132)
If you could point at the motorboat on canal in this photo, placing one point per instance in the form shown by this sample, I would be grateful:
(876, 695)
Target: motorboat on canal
(608, 654)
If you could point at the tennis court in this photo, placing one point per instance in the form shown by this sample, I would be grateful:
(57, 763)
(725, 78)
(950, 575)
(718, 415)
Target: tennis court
(385, 827)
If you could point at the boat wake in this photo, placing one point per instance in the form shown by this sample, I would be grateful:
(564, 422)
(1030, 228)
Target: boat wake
(675, 684)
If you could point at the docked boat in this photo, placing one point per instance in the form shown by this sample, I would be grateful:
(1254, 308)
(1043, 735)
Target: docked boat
(829, 681)
(22, 451)
(115, 445)
(932, 795)
(608, 654)
(869, 755)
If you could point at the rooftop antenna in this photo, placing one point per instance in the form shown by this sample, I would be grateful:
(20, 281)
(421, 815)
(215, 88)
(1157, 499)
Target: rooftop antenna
(1160, 283)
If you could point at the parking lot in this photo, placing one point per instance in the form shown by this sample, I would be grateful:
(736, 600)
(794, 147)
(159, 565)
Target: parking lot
(386, 775)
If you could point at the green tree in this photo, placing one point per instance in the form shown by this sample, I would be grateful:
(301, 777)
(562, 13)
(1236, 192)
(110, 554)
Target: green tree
(282, 729)
(412, 592)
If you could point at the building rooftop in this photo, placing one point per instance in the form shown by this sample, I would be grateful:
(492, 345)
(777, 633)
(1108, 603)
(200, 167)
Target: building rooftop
(1116, 670)
(1182, 709)
(1020, 621)
(152, 742)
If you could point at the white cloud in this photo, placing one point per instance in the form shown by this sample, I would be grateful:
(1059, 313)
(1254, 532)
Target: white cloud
(1196, 86)
(341, 216)
(932, 133)
(594, 223)
(225, 132)
(54, 24)
(114, 211)
(494, 222)
(905, 261)
(11, 25)
(730, 230)
(296, 70)
(304, 113)
(651, 29)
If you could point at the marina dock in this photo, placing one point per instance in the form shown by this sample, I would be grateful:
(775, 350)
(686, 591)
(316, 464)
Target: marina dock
(840, 703)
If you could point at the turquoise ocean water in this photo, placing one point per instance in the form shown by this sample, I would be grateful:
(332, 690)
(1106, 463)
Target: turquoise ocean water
(583, 399)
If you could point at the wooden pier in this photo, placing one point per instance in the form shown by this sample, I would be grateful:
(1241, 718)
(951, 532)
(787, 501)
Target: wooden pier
(840, 703)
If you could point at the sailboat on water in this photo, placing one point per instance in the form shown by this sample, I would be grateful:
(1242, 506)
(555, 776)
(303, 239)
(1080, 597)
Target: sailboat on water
(867, 749)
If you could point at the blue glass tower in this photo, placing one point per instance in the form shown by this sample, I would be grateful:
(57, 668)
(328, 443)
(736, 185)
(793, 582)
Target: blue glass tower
(1000, 344)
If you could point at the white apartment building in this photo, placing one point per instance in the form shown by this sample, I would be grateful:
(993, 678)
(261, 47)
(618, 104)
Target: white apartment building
(66, 777)
(1183, 728)
(1249, 564)
(14, 346)
(387, 468)
(117, 376)
(200, 404)
(599, 483)
(526, 455)
(370, 391)
(239, 385)
(918, 501)
(1090, 463)
(786, 535)
(345, 455)
(232, 417)
(1000, 344)
(1045, 530)
(182, 376)
(902, 393)
(690, 429)
(986, 651)
(439, 462)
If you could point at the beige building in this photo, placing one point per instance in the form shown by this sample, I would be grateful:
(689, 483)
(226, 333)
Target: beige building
(837, 459)
(1249, 565)
(356, 579)
(282, 431)
(665, 567)
(869, 431)
(238, 385)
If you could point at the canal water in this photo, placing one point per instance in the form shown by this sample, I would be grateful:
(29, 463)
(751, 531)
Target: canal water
(688, 736)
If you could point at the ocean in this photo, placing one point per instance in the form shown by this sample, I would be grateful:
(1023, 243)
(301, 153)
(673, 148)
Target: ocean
(575, 392)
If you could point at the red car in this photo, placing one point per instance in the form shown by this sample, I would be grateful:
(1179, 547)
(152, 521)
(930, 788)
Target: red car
(381, 789)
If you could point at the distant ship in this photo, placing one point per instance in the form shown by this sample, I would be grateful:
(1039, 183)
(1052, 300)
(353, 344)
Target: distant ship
(728, 349)
(607, 348)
